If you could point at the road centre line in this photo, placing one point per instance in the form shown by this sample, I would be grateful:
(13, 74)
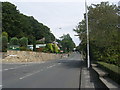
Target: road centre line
(0, 85)
(30, 74)
(19, 66)
(51, 66)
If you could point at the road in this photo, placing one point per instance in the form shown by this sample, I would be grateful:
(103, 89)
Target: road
(63, 73)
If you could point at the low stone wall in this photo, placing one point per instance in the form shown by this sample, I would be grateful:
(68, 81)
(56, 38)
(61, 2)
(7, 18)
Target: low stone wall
(29, 56)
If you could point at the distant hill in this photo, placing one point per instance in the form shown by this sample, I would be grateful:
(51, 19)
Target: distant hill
(18, 25)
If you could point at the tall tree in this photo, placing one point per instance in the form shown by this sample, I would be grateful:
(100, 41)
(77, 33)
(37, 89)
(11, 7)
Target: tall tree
(67, 43)
(19, 25)
(103, 30)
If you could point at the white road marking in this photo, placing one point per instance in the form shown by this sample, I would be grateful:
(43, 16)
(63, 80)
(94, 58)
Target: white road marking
(41, 70)
(11, 68)
(59, 63)
(51, 66)
(20, 66)
(5, 69)
(0, 85)
(30, 74)
(14, 68)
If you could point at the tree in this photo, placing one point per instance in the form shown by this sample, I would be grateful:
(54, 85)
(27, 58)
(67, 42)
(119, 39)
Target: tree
(23, 42)
(55, 48)
(5, 34)
(19, 25)
(67, 43)
(4, 43)
(14, 41)
(103, 31)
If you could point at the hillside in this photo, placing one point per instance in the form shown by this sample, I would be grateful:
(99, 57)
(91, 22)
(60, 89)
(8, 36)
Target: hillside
(19, 25)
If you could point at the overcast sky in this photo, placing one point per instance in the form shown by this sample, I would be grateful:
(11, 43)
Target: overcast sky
(56, 14)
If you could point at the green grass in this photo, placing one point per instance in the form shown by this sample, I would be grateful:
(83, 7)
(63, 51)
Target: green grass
(112, 67)
(113, 70)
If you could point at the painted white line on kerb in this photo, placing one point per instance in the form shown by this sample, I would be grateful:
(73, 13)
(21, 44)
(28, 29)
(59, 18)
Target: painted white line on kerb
(29, 75)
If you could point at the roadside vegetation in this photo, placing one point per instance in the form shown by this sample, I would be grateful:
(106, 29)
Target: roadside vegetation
(20, 30)
(104, 36)
(113, 70)
(19, 25)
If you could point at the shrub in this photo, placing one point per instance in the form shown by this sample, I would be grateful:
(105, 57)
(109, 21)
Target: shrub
(55, 48)
(14, 41)
(23, 49)
(5, 34)
(23, 42)
(4, 43)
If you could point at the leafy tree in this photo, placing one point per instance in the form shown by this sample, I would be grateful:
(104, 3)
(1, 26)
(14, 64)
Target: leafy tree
(23, 42)
(19, 25)
(4, 43)
(5, 34)
(55, 48)
(49, 47)
(67, 43)
(103, 31)
(14, 41)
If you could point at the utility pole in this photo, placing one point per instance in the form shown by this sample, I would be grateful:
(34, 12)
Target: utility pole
(88, 52)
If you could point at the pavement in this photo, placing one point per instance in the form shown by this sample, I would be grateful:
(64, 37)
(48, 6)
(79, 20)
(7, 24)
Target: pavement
(68, 72)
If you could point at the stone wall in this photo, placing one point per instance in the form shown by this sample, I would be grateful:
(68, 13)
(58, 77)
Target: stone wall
(29, 56)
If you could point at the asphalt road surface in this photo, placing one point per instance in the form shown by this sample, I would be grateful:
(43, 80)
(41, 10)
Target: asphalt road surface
(63, 73)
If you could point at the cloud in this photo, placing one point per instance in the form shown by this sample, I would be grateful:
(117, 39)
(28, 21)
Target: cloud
(64, 14)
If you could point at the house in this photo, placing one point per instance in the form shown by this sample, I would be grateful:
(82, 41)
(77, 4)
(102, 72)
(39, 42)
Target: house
(38, 46)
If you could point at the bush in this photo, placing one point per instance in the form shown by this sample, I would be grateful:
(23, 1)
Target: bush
(14, 41)
(49, 48)
(40, 42)
(5, 34)
(55, 48)
(4, 43)
(112, 69)
(23, 49)
(23, 42)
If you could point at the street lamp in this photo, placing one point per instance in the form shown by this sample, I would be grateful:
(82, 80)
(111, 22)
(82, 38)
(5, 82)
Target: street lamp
(88, 57)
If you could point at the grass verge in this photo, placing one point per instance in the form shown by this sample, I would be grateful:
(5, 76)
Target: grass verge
(113, 70)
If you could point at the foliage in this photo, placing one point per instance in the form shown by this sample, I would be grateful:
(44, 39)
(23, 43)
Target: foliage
(67, 43)
(4, 43)
(23, 49)
(23, 42)
(40, 42)
(55, 48)
(113, 70)
(49, 48)
(103, 33)
(5, 34)
(14, 41)
(19, 25)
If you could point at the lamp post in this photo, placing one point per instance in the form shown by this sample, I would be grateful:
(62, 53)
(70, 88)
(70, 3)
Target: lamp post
(88, 57)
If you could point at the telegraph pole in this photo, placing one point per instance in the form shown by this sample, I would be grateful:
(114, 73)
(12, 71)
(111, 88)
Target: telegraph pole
(88, 52)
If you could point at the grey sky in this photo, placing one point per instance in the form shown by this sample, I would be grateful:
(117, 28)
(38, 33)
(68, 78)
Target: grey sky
(56, 13)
